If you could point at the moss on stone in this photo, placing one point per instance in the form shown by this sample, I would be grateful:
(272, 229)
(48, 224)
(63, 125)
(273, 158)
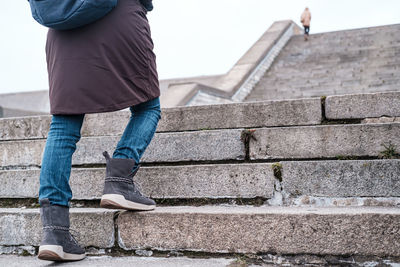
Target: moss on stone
(277, 168)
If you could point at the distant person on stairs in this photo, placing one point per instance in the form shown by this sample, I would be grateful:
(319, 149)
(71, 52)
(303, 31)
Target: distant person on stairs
(104, 66)
(305, 20)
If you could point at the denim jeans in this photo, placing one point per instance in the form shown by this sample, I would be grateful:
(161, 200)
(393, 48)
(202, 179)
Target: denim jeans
(65, 132)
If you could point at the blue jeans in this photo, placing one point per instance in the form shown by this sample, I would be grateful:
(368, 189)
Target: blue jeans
(65, 132)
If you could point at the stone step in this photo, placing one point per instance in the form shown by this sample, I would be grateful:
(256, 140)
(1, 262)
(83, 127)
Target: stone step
(285, 93)
(164, 182)
(326, 141)
(300, 179)
(283, 230)
(173, 259)
(107, 261)
(227, 116)
(23, 227)
(165, 147)
(225, 229)
(341, 178)
(304, 142)
(372, 57)
(363, 106)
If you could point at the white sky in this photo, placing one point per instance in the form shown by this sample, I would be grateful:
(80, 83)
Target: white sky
(192, 37)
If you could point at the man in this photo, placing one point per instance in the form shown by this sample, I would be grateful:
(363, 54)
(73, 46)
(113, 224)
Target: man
(305, 20)
(104, 66)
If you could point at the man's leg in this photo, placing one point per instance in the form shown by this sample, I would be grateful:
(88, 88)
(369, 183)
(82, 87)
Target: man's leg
(306, 32)
(140, 130)
(120, 190)
(55, 193)
(65, 132)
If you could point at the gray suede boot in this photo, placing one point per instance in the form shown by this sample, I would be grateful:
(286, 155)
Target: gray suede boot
(58, 244)
(120, 191)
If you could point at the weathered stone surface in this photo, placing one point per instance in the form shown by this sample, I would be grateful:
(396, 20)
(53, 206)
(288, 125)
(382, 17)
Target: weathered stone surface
(381, 120)
(198, 181)
(165, 147)
(286, 230)
(23, 226)
(367, 63)
(19, 183)
(313, 201)
(239, 115)
(107, 261)
(21, 153)
(347, 178)
(327, 141)
(208, 181)
(24, 127)
(243, 115)
(363, 106)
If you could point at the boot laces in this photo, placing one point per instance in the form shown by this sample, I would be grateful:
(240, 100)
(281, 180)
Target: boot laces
(73, 234)
(138, 188)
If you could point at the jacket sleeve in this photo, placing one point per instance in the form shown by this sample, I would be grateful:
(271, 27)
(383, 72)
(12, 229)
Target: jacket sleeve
(148, 4)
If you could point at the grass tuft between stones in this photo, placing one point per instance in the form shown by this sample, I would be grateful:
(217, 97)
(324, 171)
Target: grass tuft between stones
(389, 151)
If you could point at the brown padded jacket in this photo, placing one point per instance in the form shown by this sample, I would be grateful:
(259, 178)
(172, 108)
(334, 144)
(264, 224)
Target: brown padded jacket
(306, 17)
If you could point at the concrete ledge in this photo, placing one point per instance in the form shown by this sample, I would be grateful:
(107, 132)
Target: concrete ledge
(327, 141)
(249, 61)
(199, 181)
(363, 106)
(322, 231)
(239, 115)
(165, 147)
(381, 120)
(108, 261)
(23, 226)
(11, 112)
(349, 178)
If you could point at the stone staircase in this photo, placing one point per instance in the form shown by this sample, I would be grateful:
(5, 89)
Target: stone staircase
(307, 181)
(346, 62)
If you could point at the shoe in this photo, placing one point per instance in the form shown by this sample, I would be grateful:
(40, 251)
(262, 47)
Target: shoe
(120, 191)
(57, 244)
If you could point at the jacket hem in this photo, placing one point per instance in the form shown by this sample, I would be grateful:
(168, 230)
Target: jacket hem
(111, 108)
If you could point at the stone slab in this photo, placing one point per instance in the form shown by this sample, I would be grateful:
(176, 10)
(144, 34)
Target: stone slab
(12, 113)
(243, 115)
(281, 230)
(165, 147)
(381, 120)
(195, 181)
(313, 201)
(34, 127)
(342, 178)
(327, 141)
(238, 115)
(362, 106)
(23, 227)
(107, 261)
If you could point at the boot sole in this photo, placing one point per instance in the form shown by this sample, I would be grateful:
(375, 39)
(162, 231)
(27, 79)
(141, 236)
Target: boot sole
(115, 201)
(56, 253)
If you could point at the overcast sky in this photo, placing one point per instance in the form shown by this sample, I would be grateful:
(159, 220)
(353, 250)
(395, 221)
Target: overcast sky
(192, 37)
